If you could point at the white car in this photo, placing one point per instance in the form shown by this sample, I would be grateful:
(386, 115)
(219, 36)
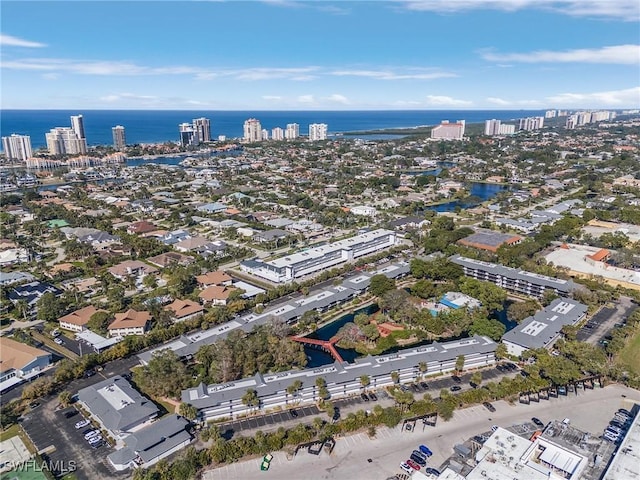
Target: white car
(494, 428)
(96, 439)
(92, 433)
(82, 423)
(406, 468)
(58, 340)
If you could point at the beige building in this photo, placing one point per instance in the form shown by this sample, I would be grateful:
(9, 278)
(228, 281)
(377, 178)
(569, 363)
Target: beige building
(130, 322)
(77, 321)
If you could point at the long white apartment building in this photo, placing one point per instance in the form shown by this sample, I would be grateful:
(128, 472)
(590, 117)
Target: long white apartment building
(65, 140)
(291, 267)
(17, 147)
(342, 379)
(448, 131)
(292, 131)
(252, 130)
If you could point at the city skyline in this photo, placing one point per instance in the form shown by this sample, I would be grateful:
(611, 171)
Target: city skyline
(396, 55)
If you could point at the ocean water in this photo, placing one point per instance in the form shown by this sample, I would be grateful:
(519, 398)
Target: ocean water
(152, 126)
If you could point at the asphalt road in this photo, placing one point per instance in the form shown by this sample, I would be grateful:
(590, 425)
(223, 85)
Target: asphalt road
(589, 411)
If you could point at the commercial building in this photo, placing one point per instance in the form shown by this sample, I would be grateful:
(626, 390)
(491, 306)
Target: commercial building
(543, 329)
(148, 446)
(318, 131)
(17, 147)
(291, 267)
(119, 139)
(20, 362)
(507, 456)
(512, 279)
(342, 379)
(117, 406)
(489, 240)
(448, 131)
(252, 130)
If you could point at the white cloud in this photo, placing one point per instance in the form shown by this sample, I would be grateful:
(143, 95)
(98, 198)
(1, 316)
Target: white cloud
(618, 54)
(498, 101)
(10, 41)
(625, 10)
(265, 73)
(129, 97)
(337, 98)
(306, 99)
(390, 75)
(444, 101)
(629, 97)
(275, 98)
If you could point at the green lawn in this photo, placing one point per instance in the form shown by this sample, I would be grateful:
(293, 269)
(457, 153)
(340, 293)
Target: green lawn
(630, 354)
(12, 431)
(24, 474)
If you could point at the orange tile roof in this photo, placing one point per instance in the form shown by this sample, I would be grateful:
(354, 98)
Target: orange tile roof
(79, 317)
(213, 278)
(600, 255)
(184, 308)
(216, 292)
(130, 319)
(15, 355)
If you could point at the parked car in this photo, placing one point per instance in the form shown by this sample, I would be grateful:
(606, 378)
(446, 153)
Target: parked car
(624, 412)
(494, 428)
(406, 467)
(58, 340)
(70, 413)
(91, 433)
(419, 454)
(364, 397)
(489, 407)
(433, 471)
(96, 439)
(293, 413)
(82, 423)
(413, 464)
(373, 396)
(33, 405)
(424, 385)
(456, 379)
(538, 423)
(89, 373)
(418, 459)
(455, 388)
(424, 449)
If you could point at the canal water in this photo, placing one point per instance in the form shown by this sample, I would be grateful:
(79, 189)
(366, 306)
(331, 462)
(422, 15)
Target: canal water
(316, 357)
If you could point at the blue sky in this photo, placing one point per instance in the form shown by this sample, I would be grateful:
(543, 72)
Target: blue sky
(321, 55)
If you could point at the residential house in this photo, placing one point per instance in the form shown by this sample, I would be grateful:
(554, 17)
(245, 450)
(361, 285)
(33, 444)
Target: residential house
(130, 322)
(214, 207)
(31, 293)
(216, 295)
(364, 210)
(175, 236)
(9, 278)
(99, 240)
(77, 321)
(184, 309)
(13, 256)
(138, 228)
(214, 278)
(191, 243)
(270, 235)
(407, 223)
(131, 268)
(171, 258)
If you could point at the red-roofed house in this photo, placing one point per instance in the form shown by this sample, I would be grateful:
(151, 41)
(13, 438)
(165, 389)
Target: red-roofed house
(130, 322)
(184, 310)
(77, 321)
(214, 278)
(216, 295)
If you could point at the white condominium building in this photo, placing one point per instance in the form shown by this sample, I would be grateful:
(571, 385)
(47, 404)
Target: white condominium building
(507, 129)
(317, 131)
(17, 147)
(188, 135)
(77, 123)
(277, 134)
(291, 267)
(65, 141)
(550, 114)
(492, 127)
(531, 123)
(252, 130)
(449, 131)
(292, 132)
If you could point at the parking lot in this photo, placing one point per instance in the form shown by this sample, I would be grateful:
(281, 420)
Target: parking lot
(600, 325)
(589, 411)
(60, 443)
(268, 422)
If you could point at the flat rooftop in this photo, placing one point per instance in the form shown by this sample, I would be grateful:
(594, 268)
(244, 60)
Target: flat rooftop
(573, 258)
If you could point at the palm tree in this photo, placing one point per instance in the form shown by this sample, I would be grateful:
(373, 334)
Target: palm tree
(423, 367)
(395, 376)
(250, 398)
(365, 381)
